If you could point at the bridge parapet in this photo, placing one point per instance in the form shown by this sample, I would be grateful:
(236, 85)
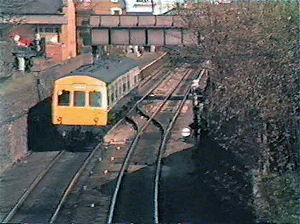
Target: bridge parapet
(98, 30)
(108, 21)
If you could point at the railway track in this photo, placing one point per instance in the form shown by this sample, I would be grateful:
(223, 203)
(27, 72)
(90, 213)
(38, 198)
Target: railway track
(138, 155)
(38, 203)
(61, 173)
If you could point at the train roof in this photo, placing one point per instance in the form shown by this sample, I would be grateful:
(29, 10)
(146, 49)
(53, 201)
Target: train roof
(107, 70)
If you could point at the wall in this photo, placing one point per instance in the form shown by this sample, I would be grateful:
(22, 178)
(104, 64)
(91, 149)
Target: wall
(103, 7)
(68, 32)
(17, 97)
(56, 51)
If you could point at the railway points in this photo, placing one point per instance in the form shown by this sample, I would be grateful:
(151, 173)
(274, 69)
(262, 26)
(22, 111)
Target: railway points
(105, 163)
(25, 180)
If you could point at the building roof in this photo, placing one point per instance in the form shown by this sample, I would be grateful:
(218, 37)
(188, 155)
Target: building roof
(41, 7)
(107, 70)
(100, 6)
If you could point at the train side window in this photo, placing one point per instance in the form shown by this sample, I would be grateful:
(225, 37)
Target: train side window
(116, 92)
(128, 83)
(120, 89)
(95, 99)
(112, 97)
(79, 99)
(135, 80)
(124, 87)
(63, 98)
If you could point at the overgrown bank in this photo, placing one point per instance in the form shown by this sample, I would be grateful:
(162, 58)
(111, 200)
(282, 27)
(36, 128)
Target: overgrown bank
(252, 106)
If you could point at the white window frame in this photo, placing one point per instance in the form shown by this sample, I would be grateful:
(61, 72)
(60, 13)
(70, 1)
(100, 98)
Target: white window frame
(113, 9)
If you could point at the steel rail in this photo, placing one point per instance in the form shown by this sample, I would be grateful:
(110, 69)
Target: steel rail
(79, 172)
(132, 147)
(13, 211)
(160, 57)
(72, 182)
(161, 150)
(135, 105)
(37, 180)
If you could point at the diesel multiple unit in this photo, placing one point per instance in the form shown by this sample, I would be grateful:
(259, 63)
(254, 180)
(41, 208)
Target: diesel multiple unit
(86, 97)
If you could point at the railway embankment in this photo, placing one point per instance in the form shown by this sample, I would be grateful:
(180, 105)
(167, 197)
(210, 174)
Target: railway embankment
(17, 96)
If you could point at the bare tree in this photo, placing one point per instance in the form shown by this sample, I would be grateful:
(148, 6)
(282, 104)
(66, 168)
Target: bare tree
(253, 100)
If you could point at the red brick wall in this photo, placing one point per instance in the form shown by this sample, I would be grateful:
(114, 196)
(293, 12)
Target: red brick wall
(54, 51)
(17, 97)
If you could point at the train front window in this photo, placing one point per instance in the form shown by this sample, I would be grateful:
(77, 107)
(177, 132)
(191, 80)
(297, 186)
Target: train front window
(79, 99)
(95, 99)
(63, 98)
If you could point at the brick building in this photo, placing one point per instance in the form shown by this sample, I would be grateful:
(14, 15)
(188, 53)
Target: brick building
(101, 7)
(55, 21)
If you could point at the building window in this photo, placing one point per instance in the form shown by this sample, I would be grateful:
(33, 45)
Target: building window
(95, 99)
(48, 29)
(79, 99)
(63, 98)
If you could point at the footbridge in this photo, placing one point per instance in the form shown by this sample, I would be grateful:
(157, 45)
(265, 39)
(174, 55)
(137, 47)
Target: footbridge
(136, 30)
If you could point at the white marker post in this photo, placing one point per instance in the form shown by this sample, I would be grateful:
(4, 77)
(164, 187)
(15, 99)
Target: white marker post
(186, 132)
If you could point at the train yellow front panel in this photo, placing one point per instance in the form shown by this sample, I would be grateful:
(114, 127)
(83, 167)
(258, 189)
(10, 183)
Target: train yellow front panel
(80, 116)
(77, 115)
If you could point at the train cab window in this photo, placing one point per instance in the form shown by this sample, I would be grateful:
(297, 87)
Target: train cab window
(95, 99)
(79, 99)
(63, 98)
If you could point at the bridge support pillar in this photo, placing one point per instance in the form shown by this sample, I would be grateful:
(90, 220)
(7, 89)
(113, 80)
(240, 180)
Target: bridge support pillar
(21, 63)
(129, 49)
(152, 48)
(136, 50)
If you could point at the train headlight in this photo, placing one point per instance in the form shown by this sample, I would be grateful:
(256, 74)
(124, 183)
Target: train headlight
(59, 119)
